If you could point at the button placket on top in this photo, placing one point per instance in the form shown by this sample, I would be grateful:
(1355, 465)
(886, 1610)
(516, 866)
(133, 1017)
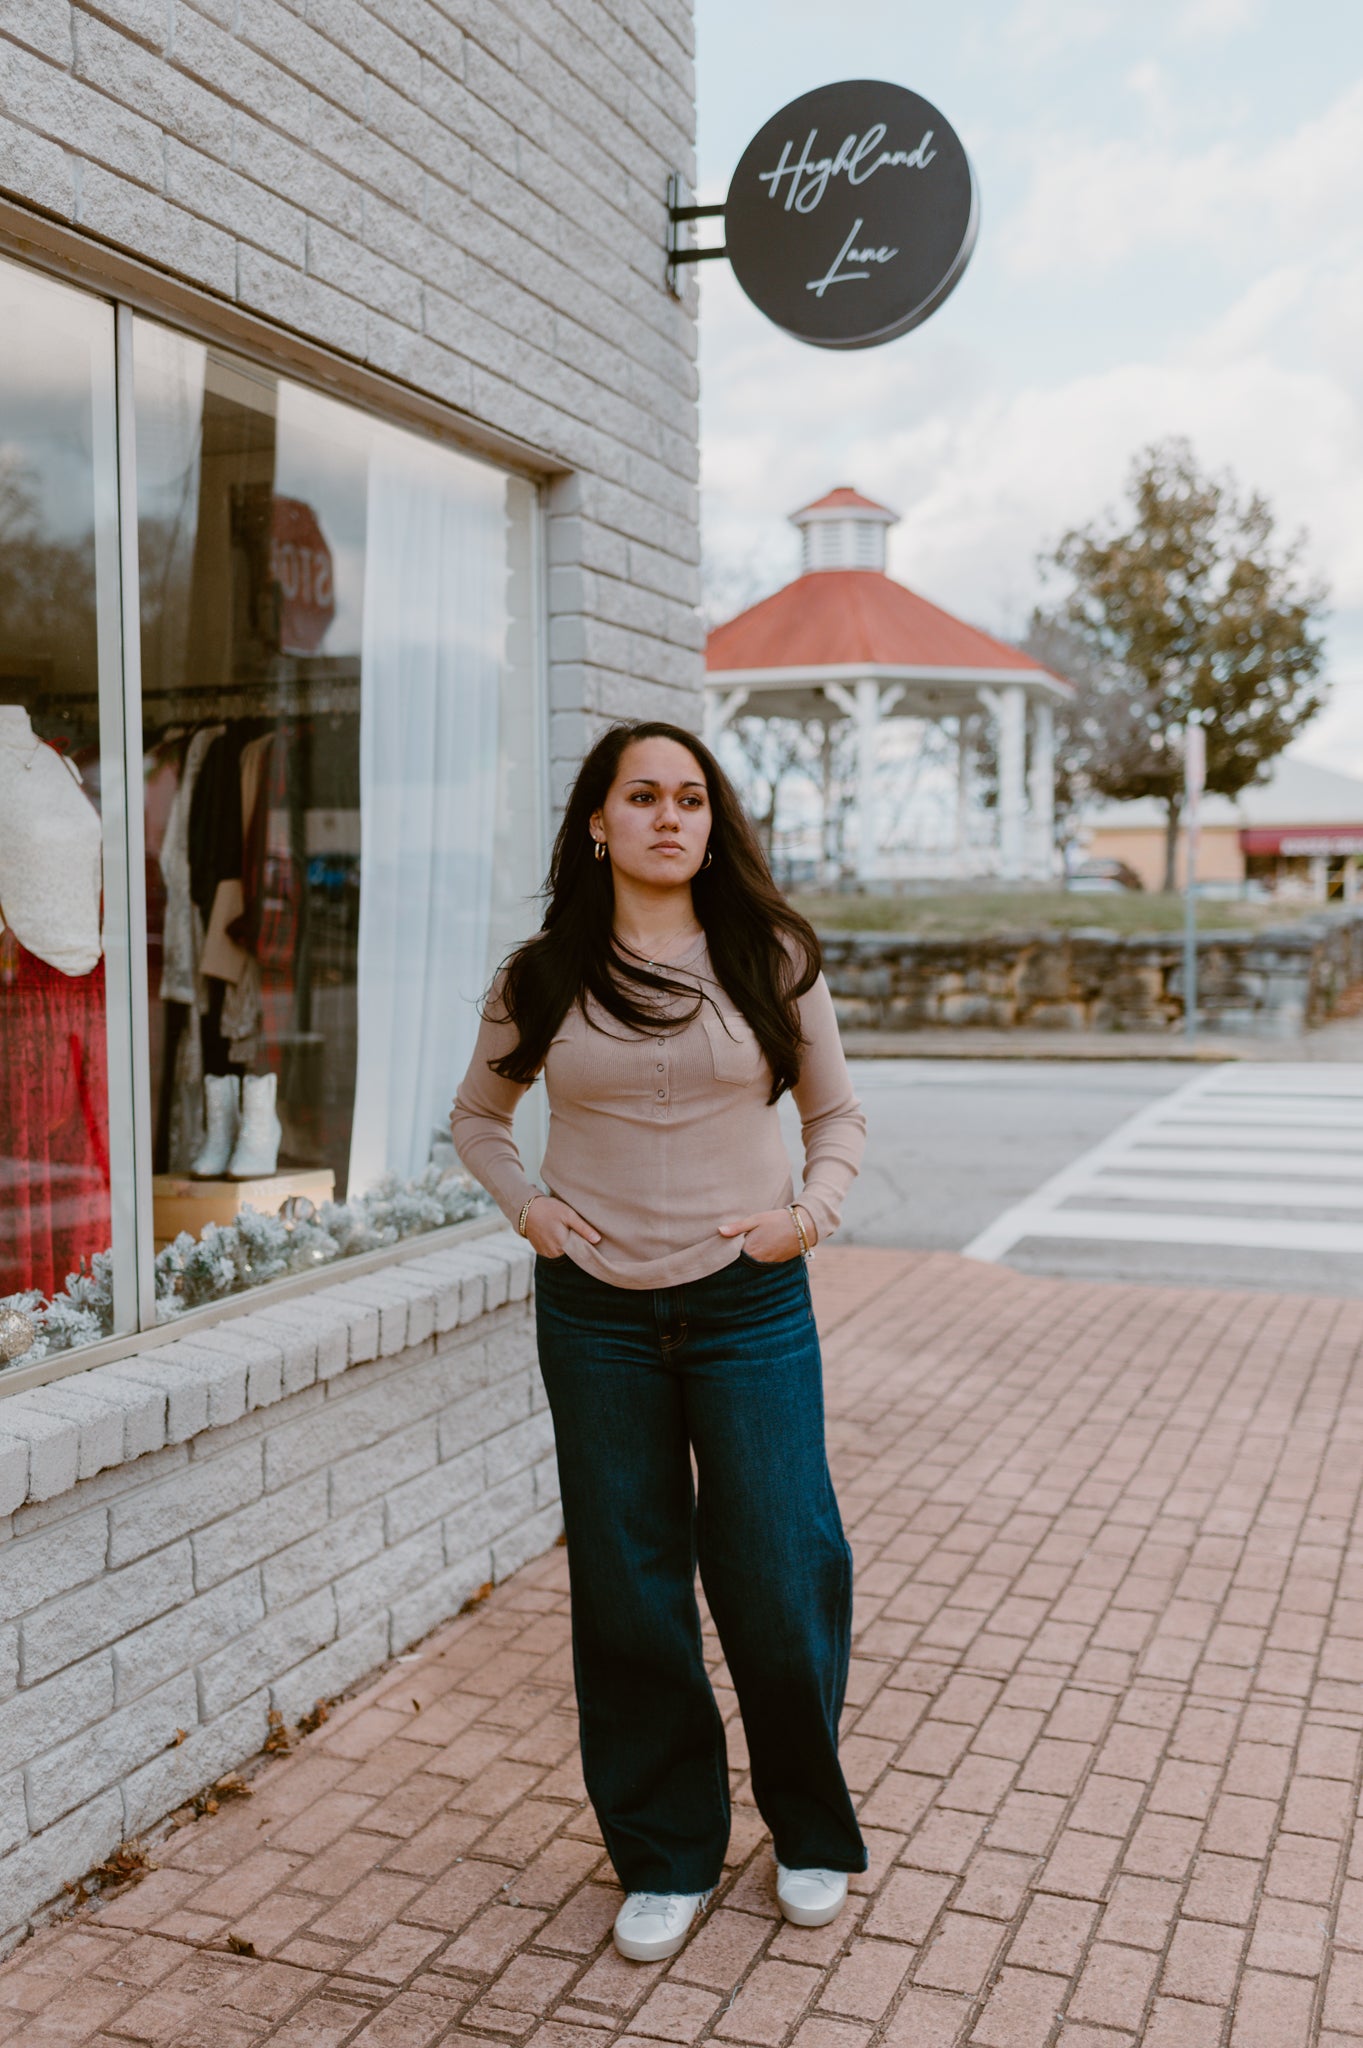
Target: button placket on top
(661, 1091)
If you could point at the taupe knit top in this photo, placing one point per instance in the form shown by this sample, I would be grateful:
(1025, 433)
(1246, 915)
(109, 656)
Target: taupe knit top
(658, 1138)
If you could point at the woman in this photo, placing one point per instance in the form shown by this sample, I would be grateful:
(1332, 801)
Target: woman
(670, 1000)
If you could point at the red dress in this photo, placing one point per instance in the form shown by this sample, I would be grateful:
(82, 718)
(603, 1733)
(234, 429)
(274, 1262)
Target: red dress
(54, 1121)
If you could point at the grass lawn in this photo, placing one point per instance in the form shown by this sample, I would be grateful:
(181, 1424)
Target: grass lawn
(971, 914)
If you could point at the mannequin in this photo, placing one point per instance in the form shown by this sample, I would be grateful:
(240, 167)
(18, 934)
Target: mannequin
(54, 1074)
(49, 850)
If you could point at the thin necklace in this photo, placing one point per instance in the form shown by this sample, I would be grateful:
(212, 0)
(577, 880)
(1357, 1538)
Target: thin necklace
(690, 925)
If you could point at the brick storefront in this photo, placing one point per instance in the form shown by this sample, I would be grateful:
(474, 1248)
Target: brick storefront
(275, 279)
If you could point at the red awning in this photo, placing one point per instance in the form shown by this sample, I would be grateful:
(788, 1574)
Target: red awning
(1302, 841)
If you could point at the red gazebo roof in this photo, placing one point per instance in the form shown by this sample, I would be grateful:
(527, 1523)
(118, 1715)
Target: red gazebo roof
(838, 618)
(843, 499)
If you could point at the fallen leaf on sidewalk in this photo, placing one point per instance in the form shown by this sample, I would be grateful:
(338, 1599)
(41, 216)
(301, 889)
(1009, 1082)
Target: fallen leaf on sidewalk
(128, 1864)
(230, 1787)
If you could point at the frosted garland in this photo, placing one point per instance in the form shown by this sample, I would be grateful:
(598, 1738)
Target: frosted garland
(230, 1258)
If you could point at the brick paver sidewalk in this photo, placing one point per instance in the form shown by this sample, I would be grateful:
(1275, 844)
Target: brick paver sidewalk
(1105, 1726)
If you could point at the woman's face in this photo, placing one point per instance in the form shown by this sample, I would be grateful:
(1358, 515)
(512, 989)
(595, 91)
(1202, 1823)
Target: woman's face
(656, 818)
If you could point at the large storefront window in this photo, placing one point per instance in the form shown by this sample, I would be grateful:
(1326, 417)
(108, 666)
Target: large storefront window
(340, 804)
(58, 613)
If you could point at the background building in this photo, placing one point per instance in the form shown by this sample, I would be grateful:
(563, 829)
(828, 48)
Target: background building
(347, 481)
(1299, 835)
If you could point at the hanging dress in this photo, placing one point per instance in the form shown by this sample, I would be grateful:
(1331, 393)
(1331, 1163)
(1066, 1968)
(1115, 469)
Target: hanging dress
(54, 1081)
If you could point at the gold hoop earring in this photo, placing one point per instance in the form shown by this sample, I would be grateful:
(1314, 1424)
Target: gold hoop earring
(709, 857)
(600, 845)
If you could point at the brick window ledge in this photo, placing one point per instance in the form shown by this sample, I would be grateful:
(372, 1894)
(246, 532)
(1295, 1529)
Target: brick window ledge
(54, 1435)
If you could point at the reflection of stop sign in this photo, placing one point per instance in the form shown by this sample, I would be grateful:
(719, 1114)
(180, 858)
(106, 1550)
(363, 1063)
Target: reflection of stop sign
(300, 569)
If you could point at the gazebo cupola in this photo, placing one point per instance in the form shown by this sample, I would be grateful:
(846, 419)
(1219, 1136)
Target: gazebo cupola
(843, 531)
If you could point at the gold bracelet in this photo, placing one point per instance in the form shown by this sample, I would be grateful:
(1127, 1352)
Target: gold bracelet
(525, 1211)
(805, 1251)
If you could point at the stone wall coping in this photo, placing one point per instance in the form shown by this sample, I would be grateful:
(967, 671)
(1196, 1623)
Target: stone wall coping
(53, 1435)
(1301, 937)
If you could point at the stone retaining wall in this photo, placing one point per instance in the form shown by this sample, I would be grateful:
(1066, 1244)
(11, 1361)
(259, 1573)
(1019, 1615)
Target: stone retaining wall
(246, 1520)
(1273, 983)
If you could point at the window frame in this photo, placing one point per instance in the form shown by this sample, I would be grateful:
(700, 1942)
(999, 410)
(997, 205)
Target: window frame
(129, 289)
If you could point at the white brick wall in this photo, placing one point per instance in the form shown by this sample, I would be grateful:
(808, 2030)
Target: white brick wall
(466, 195)
(289, 1499)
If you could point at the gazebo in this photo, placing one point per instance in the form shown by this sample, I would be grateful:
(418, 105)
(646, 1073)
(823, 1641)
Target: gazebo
(845, 641)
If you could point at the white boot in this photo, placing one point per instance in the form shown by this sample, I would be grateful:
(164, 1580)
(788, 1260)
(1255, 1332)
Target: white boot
(222, 1112)
(257, 1148)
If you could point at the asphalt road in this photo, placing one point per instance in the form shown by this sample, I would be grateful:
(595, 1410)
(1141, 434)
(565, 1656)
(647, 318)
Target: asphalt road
(953, 1143)
(955, 1147)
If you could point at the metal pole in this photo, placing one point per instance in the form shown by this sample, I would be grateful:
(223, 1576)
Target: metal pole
(1194, 775)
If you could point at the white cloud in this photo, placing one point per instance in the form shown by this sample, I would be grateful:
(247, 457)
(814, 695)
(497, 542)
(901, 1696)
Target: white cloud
(1215, 18)
(1039, 30)
(1014, 472)
(1147, 81)
(1256, 318)
(984, 477)
(981, 471)
(1097, 205)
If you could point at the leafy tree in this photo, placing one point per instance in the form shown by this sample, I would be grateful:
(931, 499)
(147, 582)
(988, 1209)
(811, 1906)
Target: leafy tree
(1187, 609)
(47, 611)
(1096, 726)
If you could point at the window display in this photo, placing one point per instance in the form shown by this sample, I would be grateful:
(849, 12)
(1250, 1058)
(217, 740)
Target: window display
(56, 448)
(340, 810)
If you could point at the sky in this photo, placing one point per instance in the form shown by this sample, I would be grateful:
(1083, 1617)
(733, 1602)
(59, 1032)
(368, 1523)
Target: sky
(1171, 242)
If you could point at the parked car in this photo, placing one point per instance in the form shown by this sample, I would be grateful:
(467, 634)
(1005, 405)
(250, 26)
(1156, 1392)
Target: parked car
(1102, 878)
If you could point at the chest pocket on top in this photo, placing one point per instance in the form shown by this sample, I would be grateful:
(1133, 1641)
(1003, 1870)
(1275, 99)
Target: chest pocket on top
(734, 1050)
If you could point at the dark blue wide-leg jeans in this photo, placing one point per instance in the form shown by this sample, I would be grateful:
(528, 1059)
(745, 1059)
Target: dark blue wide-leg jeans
(727, 1367)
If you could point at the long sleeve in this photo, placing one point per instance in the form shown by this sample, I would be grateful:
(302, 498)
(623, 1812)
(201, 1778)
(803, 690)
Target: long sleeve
(832, 1121)
(480, 1122)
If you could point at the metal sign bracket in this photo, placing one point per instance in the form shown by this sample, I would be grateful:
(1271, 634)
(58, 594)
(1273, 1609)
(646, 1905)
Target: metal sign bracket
(680, 213)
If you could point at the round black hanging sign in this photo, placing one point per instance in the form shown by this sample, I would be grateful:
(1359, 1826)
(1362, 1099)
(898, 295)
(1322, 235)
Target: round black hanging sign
(852, 214)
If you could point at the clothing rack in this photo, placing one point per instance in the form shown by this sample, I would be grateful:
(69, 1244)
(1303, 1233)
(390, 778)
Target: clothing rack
(333, 696)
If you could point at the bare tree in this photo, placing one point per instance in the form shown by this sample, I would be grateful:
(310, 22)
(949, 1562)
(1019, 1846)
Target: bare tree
(734, 583)
(771, 751)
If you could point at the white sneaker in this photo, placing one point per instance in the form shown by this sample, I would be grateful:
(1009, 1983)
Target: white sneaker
(810, 1898)
(651, 1926)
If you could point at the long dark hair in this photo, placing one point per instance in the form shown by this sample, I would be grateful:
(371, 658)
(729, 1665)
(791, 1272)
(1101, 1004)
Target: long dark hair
(764, 954)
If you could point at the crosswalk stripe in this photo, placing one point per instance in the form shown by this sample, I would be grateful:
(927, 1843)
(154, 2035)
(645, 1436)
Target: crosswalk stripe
(1266, 1137)
(1270, 1117)
(1307, 1082)
(1294, 1194)
(1238, 1138)
(1227, 1159)
(1280, 1234)
(1224, 1160)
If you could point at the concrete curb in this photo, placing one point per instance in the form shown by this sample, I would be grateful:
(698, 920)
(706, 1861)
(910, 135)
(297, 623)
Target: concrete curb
(1053, 1046)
